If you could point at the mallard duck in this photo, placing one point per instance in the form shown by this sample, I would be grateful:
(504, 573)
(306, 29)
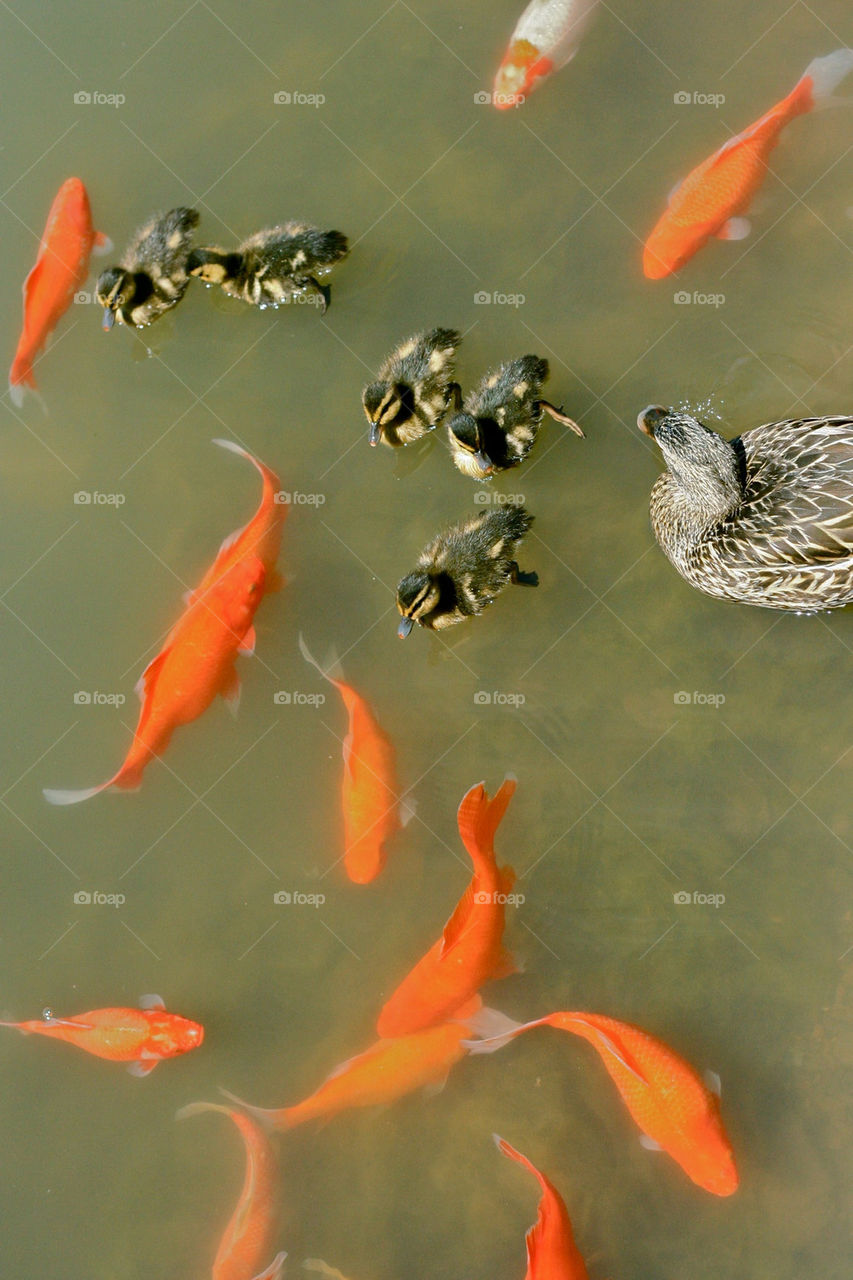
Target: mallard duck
(501, 418)
(152, 274)
(414, 388)
(764, 519)
(273, 266)
(461, 571)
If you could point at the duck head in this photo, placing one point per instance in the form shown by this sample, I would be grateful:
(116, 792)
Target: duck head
(465, 436)
(418, 594)
(705, 467)
(387, 406)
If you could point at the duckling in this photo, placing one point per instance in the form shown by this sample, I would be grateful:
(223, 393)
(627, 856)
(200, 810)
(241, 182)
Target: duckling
(765, 519)
(273, 265)
(461, 571)
(501, 418)
(414, 388)
(152, 274)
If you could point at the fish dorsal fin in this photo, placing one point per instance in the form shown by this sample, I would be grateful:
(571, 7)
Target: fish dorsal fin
(143, 1067)
(146, 681)
(274, 1270)
(331, 670)
(152, 1002)
(604, 1040)
(455, 926)
(248, 643)
(32, 280)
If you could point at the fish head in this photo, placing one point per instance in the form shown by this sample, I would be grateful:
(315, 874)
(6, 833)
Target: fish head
(172, 1035)
(710, 1162)
(518, 75)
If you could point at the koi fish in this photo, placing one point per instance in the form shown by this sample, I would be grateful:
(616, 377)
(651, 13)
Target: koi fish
(388, 1070)
(260, 537)
(195, 664)
(61, 268)
(470, 951)
(675, 1110)
(369, 787)
(248, 1236)
(141, 1037)
(551, 1250)
(713, 197)
(546, 37)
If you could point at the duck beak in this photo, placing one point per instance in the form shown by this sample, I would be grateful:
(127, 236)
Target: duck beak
(484, 463)
(373, 434)
(650, 417)
(404, 628)
(108, 320)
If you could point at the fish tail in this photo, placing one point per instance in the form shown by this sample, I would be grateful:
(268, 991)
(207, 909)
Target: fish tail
(495, 1030)
(331, 669)
(506, 1150)
(820, 80)
(196, 1108)
(21, 376)
(269, 1117)
(479, 818)
(269, 478)
(127, 779)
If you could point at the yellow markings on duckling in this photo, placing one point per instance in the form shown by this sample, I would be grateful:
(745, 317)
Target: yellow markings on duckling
(406, 350)
(497, 548)
(520, 389)
(493, 380)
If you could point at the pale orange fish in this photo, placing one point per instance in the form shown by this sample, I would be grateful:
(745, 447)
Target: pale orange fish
(545, 38)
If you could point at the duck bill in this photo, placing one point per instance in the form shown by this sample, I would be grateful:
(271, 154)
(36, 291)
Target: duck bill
(649, 418)
(108, 320)
(404, 628)
(373, 434)
(484, 463)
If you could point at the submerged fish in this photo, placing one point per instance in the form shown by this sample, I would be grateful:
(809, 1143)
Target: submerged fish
(551, 1250)
(713, 197)
(141, 1037)
(248, 1236)
(61, 268)
(545, 38)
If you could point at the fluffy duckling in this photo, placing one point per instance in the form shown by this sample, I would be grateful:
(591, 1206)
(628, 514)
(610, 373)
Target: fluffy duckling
(152, 274)
(414, 388)
(765, 519)
(501, 418)
(272, 266)
(461, 571)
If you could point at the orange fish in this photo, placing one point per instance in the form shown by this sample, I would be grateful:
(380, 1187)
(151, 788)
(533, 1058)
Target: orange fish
(61, 268)
(141, 1037)
(195, 664)
(551, 1250)
(249, 1234)
(369, 787)
(674, 1109)
(712, 198)
(470, 951)
(260, 537)
(386, 1071)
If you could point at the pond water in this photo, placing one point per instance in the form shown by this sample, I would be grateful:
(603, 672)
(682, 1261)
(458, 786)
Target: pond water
(665, 744)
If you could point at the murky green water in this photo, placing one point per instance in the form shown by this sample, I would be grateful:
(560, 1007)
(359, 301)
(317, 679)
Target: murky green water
(628, 794)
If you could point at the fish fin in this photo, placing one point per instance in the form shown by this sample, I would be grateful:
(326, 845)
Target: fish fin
(16, 394)
(494, 1028)
(231, 690)
(149, 675)
(435, 1087)
(714, 1083)
(247, 644)
(32, 279)
(674, 191)
(505, 965)
(602, 1040)
(317, 1264)
(649, 1143)
(468, 1009)
(825, 74)
(331, 669)
(143, 1067)
(263, 1115)
(735, 229)
(59, 797)
(151, 1001)
(101, 244)
(456, 924)
(273, 1271)
(406, 810)
(275, 581)
(196, 1108)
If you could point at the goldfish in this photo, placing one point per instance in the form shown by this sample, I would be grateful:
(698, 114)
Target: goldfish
(386, 1071)
(551, 1250)
(369, 789)
(713, 196)
(195, 664)
(61, 268)
(260, 537)
(141, 1037)
(545, 38)
(675, 1110)
(249, 1233)
(470, 951)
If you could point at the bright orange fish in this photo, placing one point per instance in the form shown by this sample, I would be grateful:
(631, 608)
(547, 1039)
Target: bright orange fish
(248, 1236)
(551, 1250)
(386, 1071)
(369, 787)
(712, 197)
(470, 951)
(196, 664)
(142, 1037)
(61, 268)
(260, 537)
(674, 1109)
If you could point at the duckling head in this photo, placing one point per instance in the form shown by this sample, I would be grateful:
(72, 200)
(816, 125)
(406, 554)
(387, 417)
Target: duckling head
(213, 266)
(417, 595)
(114, 290)
(386, 404)
(466, 436)
(706, 468)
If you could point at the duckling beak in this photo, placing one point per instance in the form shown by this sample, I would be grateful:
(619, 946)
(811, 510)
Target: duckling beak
(484, 463)
(650, 418)
(404, 628)
(373, 434)
(108, 320)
